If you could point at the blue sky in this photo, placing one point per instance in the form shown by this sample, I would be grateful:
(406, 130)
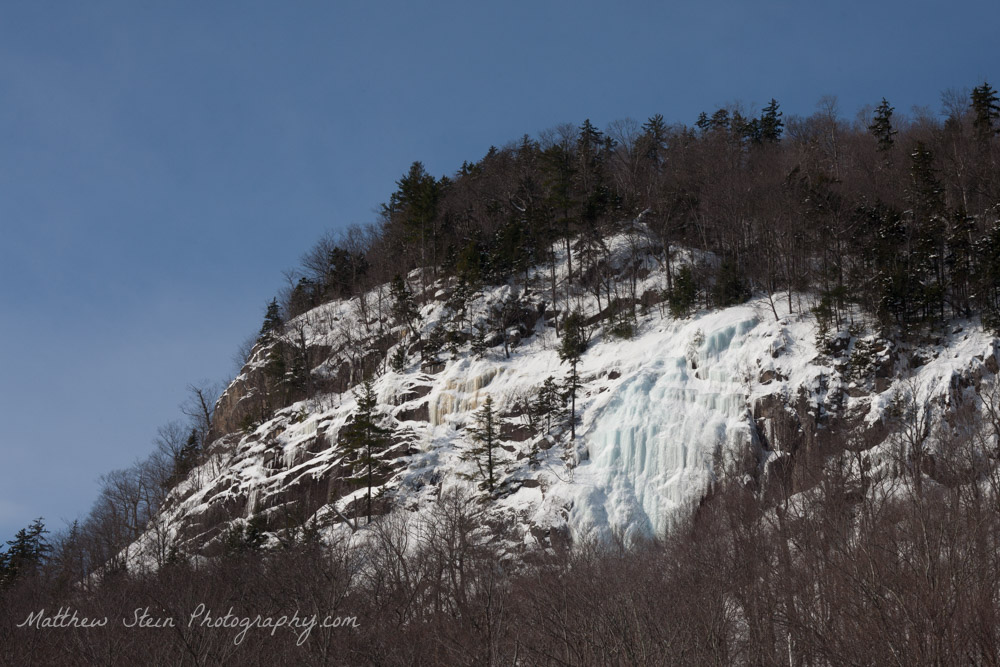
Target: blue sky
(161, 166)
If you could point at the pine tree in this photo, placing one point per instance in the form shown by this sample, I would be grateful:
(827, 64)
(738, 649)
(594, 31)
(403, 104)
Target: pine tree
(574, 344)
(485, 435)
(961, 261)
(397, 362)
(432, 345)
(985, 111)
(404, 308)
(654, 139)
(719, 121)
(342, 270)
(592, 150)
(560, 174)
(272, 319)
(588, 149)
(770, 123)
(682, 297)
(297, 378)
(458, 301)
(926, 192)
(987, 278)
(480, 341)
(703, 123)
(26, 553)
(304, 296)
(365, 439)
(927, 256)
(415, 205)
(730, 286)
(187, 457)
(275, 370)
(548, 404)
(245, 536)
(881, 127)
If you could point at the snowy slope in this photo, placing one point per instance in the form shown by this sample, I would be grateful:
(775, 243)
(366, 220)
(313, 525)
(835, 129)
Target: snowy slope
(657, 413)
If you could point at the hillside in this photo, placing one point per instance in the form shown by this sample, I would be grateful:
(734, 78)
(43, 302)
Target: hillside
(716, 394)
(662, 415)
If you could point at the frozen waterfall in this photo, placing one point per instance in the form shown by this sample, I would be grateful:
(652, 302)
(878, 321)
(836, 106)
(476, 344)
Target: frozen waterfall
(652, 442)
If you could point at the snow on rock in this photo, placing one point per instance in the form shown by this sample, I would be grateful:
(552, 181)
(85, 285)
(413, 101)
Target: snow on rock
(656, 414)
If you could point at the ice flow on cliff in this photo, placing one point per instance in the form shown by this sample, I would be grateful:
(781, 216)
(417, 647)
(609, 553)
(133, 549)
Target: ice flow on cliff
(651, 442)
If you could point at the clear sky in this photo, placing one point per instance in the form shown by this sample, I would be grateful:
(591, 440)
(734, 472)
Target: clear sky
(161, 166)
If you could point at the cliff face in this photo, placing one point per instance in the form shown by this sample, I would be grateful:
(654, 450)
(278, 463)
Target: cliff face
(660, 415)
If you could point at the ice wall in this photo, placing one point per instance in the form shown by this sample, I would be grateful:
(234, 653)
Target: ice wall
(651, 444)
(462, 394)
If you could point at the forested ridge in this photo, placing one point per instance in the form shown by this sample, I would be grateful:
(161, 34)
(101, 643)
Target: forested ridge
(897, 216)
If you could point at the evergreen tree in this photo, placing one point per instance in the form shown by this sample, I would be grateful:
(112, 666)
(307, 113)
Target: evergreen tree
(480, 341)
(881, 127)
(365, 439)
(654, 139)
(276, 370)
(397, 362)
(592, 151)
(770, 123)
(926, 192)
(882, 280)
(548, 404)
(470, 265)
(272, 320)
(245, 536)
(559, 172)
(720, 121)
(432, 345)
(296, 381)
(743, 131)
(927, 254)
(485, 435)
(985, 111)
(588, 148)
(682, 297)
(574, 344)
(961, 261)
(511, 252)
(305, 296)
(26, 553)
(730, 286)
(404, 307)
(187, 457)
(458, 304)
(343, 268)
(987, 278)
(415, 205)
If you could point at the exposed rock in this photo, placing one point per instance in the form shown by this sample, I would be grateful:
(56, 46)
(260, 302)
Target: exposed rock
(421, 413)
(770, 375)
(838, 345)
(516, 432)
(433, 367)
(413, 393)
